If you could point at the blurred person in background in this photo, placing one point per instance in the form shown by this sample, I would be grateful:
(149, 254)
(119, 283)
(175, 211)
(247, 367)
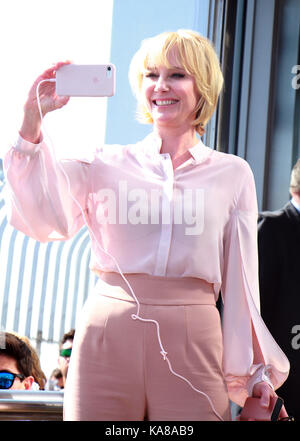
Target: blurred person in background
(56, 381)
(65, 350)
(279, 278)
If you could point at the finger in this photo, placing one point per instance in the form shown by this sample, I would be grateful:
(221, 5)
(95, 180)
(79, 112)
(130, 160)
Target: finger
(58, 65)
(50, 72)
(283, 413)
(265, 397)
(62, 101)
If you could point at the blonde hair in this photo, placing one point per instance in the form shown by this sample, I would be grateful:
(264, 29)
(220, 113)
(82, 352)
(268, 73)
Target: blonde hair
(198, 58)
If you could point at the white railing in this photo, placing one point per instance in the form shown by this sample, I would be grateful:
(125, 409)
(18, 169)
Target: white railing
(23, 405)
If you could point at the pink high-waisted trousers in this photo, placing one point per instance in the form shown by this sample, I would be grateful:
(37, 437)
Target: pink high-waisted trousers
(117, 371)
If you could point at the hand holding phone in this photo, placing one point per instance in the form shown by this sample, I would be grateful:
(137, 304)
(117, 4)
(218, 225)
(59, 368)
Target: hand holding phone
(252, 410)
(96, 80)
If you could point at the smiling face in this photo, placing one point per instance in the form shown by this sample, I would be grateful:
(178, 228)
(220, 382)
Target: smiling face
(170, 94)
(185, 52)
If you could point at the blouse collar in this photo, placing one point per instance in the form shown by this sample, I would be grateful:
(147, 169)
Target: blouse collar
(199, 152)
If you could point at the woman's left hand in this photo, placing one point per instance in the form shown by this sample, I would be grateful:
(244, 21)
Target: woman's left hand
(265, 393)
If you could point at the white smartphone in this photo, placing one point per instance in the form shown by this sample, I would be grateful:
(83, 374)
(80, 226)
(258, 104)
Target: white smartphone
(86, 80)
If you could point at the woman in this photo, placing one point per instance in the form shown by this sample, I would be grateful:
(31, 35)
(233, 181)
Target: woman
(172, 223)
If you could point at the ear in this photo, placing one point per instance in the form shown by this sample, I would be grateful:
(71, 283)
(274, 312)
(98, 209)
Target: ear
(28, 381)
(295, 195)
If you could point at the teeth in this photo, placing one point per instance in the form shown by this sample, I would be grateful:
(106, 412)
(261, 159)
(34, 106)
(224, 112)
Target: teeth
(165, 102)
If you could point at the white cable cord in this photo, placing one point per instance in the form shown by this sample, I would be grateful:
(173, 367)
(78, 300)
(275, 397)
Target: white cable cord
(133, 316)
(48, 80)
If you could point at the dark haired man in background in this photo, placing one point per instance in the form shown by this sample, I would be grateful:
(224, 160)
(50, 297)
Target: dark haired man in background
(279, 274)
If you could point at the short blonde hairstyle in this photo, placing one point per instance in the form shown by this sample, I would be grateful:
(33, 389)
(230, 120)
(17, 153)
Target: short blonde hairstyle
(195, 54)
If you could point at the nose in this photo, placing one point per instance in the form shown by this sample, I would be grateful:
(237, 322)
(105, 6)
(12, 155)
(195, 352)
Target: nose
(161, 84)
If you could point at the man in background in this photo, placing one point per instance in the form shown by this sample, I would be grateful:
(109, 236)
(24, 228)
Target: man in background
(279, 274)
(56, 380)
(65, 350)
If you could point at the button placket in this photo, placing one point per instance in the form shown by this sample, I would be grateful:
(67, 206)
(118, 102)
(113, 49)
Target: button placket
(166, 217)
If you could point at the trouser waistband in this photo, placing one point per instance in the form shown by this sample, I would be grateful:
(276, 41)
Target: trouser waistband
(154, 290)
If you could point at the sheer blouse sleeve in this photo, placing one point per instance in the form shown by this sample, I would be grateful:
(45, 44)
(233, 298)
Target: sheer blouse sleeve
(250, 352)
(37, 192)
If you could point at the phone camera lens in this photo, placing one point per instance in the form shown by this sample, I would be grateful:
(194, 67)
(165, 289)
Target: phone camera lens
(108, 68)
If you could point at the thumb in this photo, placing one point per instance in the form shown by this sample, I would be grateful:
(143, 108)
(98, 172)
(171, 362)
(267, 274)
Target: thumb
(61, 101)
(265, 398)
(263, 392)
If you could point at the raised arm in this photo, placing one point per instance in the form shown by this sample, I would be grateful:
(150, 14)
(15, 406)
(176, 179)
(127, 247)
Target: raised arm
(49, 101)
(45, 199)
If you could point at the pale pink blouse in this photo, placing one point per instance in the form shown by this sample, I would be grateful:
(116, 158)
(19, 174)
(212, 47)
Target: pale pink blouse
(199, 220)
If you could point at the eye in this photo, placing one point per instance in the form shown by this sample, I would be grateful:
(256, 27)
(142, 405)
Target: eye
(151, 75)
(177, 75)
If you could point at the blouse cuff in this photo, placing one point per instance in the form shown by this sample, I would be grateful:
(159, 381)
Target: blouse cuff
(26, 147)
(261, 374)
